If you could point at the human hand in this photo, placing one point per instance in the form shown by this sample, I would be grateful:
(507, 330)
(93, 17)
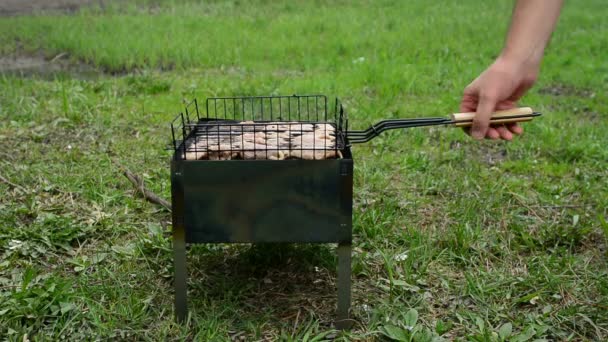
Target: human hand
(498, 87)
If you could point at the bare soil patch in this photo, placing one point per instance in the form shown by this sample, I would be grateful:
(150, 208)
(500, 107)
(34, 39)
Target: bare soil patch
(38, 65)
(566, 90)
(491, 154)
(24, 7)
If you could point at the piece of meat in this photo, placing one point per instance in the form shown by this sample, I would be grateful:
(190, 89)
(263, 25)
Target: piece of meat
(196, 155)
(264, 154)
(296, 127)
(196, 150)
(312, 140)
(280, 136)
(257, 137)
(271, 127)
(280, 155)
(221, 155)
(276, 140)
(313, 154)
(250, 145)
(325, 127)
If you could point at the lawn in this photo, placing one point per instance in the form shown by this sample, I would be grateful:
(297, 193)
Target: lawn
(454, 239)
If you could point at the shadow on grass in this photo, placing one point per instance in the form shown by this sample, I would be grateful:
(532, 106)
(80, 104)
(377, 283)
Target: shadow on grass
(279, 283)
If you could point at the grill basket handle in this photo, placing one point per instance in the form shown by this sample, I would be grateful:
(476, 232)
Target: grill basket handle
(498, 117)
(457, 120)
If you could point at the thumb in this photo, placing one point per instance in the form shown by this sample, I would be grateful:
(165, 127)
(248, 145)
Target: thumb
(481, 121)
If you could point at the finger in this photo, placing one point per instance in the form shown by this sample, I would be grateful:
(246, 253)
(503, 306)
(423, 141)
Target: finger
(481, 120)
(515, 128)
(504, 133)
(492, 133)
(505, 104)
(469, 101)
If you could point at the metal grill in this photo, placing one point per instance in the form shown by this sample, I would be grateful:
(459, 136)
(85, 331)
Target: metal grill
(302, 200)
(260, 127)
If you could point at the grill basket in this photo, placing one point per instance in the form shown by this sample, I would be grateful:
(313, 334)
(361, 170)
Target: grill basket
(260, 127)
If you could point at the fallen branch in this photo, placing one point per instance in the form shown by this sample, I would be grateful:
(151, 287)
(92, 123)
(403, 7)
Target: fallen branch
(559, 206)
(59, 56)
(148, 195)
(11, 184)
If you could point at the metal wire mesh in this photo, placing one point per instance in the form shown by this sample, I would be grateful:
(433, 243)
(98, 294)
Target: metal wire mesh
(262, 127)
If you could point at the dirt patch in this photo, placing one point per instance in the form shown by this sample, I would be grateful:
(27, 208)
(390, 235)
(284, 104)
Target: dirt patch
(566, 90)
(37, 65)
(591, 116)
(289, 282)
(22, 7)
(491, 154)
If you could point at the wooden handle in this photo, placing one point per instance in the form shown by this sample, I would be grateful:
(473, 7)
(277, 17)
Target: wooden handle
(498, 117)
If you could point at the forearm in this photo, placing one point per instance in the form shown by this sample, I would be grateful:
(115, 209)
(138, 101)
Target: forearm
(532, 23)
(515, 71)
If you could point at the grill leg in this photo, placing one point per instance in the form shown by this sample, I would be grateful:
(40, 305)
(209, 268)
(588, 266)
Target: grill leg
(179, 260)
(344, 270)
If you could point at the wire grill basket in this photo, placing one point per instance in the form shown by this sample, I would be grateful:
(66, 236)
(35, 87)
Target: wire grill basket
(260, 127)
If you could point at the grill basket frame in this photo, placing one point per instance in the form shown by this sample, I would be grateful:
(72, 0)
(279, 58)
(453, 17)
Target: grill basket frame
(300, 125)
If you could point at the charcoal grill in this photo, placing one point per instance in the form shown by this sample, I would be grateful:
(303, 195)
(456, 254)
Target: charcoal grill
(272, 169)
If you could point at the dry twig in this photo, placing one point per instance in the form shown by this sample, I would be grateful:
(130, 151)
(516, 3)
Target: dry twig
(11, 184)
(139, 184)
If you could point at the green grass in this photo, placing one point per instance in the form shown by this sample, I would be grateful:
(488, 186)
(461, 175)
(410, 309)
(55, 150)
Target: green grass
(504, 241)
